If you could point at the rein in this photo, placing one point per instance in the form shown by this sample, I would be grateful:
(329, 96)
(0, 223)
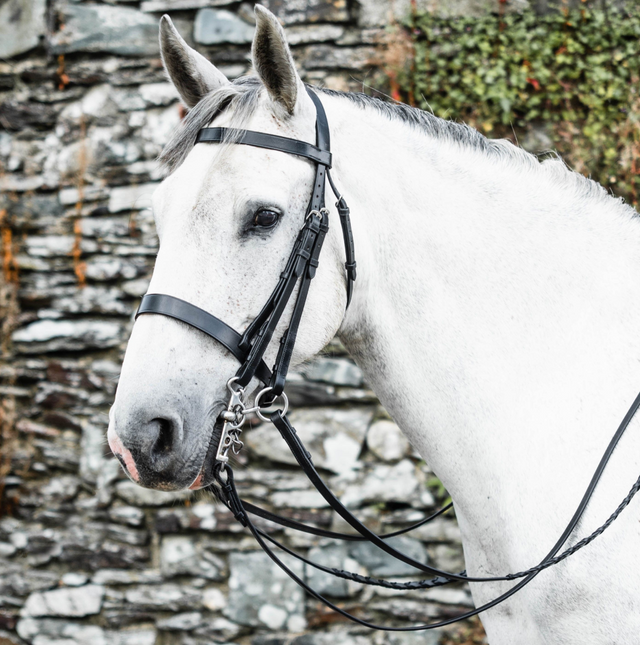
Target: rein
(249, 349)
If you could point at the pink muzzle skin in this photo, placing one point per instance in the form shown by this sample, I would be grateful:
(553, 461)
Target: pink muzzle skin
(118, 449)
(197, 484)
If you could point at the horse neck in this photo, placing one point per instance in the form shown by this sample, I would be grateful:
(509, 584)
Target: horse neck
(497, 303)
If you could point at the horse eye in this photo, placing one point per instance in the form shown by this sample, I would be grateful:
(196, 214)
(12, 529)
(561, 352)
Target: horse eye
(265, 218)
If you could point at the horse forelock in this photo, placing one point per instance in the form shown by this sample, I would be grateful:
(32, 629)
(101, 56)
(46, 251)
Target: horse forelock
(241, 98)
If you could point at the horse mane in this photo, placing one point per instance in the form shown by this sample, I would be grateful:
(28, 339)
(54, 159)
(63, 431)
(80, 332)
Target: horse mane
(242, 97)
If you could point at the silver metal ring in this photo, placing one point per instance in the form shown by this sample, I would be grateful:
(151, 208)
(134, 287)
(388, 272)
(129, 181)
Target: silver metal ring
(231, 382)
(260, 394)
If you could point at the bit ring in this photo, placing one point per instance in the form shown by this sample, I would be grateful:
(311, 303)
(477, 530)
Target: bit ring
(257, 403)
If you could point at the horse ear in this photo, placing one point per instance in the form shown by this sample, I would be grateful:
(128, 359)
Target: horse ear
(191, 73)
(273, 62)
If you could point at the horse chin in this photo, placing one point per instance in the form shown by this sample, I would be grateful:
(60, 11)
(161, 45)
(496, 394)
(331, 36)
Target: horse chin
(205, 476)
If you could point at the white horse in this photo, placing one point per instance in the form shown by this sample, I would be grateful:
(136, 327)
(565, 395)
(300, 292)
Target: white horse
(496, 314)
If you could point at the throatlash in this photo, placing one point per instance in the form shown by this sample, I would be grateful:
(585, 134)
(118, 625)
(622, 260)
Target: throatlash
(249, 348)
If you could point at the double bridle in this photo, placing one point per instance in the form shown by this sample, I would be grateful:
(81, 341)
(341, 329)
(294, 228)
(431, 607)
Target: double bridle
(249, 349)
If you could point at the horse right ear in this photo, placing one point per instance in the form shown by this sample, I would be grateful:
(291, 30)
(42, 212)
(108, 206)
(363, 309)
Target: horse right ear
(191, 73)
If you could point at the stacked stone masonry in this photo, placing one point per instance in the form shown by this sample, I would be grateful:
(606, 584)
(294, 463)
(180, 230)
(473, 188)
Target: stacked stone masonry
(86, 556)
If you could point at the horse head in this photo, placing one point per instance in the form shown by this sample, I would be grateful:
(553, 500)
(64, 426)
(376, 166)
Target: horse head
(226, 217)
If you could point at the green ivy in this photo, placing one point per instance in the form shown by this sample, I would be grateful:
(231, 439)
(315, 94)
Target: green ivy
(577, 72)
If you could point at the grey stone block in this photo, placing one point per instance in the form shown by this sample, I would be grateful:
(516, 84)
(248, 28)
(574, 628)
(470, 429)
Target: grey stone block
(164, 597)
(180, 5)
(126, 577)
(181, 622)
(105, 28)
(386, 441)
(302, 11)
(63, 488)
(334, 556)
(217, 26)
(262, 595)
(72, 602)
(412, 638)
(67, 335)
(303, 34)
(135, 197)
(199, 517)
(184, 555)
(129, 515)
(74, 579)
(324, 56)
(59, 630)
(130, 637)
(383, 483)
(21, 26)
(326, 638)
(334, 437)
(19, 581)
(60, 453)
(381, 564)
(337, 371)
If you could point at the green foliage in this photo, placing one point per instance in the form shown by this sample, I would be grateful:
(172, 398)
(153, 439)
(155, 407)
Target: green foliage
(576, 71)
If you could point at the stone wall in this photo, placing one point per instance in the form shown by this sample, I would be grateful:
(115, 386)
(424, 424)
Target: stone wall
(87, 557)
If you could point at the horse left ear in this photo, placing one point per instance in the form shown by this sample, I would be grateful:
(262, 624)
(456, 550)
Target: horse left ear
(190, 72)
(273, 62)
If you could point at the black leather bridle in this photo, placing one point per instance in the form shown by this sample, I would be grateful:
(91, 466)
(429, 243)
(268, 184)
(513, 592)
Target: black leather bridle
(249, 349)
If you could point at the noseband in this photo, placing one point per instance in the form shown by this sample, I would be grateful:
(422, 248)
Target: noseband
(249, 349)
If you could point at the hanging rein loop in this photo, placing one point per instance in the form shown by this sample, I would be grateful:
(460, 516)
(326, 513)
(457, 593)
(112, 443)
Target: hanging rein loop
(227, 493)
(249, 349)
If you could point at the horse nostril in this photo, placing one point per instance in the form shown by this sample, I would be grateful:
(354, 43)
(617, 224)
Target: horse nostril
(149, 449)
(163, 444)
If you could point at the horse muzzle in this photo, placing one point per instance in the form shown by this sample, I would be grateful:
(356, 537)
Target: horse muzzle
(159, 453)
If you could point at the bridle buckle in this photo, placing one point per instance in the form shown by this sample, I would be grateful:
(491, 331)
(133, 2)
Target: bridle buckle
(320, 214)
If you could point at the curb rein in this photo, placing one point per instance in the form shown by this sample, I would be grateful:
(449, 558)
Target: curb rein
(249, 349)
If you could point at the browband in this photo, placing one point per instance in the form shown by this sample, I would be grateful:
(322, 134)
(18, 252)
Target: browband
(264, 140)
